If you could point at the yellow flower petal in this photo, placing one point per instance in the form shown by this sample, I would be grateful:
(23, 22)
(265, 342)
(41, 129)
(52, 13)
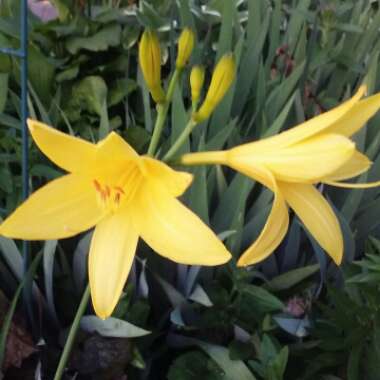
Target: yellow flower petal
(70, 153)
(273, 232)
(174, 231)
(366, 185)
(317, 215)
(113, 158)
(62, 208)
(309, 161)
(357, 116)
(175, 182)
(112, 250)
(312, 127)
(357, 164)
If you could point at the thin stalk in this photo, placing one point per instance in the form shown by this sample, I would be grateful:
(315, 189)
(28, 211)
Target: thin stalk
(162, 111)
(181, 139)
(73, 331)
(218, 157)
(194, 106)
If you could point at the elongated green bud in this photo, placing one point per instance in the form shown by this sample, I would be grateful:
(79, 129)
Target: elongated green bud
(150, 62)
(222, 78)
(185, 47)
(197, 78)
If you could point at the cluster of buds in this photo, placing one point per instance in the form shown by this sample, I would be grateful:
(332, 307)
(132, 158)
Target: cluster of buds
(150, 62)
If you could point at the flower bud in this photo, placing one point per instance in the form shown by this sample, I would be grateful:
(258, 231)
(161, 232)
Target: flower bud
(150, 62)
(197, 78)
(221, 80)
(185, 47)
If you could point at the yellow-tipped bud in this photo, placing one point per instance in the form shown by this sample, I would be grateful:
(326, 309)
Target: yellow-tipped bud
(150, 62)
(221, 80)
(197, 78)
(185, 47)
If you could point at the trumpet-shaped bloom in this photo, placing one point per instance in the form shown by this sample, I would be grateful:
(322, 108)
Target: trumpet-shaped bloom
(150, 62)
(290, 163)
(185, 47)
(126, 196)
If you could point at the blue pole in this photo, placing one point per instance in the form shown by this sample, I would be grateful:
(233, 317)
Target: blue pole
(27, 292)
(24, 97)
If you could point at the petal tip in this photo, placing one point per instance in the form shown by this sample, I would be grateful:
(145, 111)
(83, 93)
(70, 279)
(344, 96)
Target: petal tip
(31, 124)
(338, 258)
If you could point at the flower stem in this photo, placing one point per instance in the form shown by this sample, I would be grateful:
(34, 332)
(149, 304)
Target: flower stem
(162, 111)
(73, 331)
(204, 158)
(181, 139)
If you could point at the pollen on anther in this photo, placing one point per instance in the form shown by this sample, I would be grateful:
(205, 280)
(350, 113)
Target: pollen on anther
(119, 189)
(97, 186)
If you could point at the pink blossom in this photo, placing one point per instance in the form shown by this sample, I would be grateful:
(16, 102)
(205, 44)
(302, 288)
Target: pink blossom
(43, 9)
(296, 306)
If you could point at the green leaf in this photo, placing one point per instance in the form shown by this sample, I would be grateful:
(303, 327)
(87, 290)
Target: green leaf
(119, 90)
(179, 120)
(353, 367)
(63, 11)
(261, 299)
(91, 92)
(3, 90)
(100, 41)
(233, 369)
(194, 365)
(289, 279)
(277, 366)
(48, 264)
(111, 327)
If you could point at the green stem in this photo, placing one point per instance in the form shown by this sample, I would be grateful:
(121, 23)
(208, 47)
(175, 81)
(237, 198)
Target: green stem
(162, 111)
(73, 331)
(181, 139)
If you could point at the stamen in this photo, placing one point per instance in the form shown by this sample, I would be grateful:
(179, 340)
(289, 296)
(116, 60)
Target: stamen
(119, 189)
(97, 186)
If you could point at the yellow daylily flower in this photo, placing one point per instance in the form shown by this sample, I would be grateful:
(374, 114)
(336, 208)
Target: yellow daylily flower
(185, 47)
(150, 63)
(292, 162)
(126, 196)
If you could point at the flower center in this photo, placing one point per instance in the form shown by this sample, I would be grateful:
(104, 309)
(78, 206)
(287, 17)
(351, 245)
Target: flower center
(113, 194)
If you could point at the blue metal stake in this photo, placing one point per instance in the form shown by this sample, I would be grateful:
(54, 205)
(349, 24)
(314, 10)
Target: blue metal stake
(24, 97)
(27, 293)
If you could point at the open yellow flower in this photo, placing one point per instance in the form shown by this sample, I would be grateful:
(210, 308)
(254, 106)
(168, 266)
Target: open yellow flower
(126, 196)
(291, 162)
